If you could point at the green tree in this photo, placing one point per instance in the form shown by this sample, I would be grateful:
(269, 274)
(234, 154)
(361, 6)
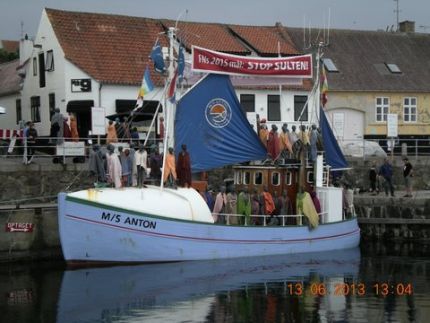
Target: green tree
(7, 56)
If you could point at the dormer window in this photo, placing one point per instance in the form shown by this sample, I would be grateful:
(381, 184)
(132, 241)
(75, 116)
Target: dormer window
(329, 65)
(393, 68)
(49, 65)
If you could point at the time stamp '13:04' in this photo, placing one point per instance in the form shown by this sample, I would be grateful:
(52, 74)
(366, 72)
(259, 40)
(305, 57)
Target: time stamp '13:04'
(350, 289)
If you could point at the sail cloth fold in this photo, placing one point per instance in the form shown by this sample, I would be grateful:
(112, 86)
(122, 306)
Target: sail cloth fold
(333, 154)
(210, 121)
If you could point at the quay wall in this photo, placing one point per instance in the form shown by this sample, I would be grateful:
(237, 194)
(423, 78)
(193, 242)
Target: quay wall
(28, 195)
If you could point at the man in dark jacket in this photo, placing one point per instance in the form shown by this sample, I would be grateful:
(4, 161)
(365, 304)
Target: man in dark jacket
(386, 171)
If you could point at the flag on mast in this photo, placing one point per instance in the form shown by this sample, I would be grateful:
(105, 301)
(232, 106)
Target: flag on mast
(146, 87)
(324, 87)
(172, 87)
(157, 57)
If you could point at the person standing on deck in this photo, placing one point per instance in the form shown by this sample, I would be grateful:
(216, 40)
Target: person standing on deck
(155, 162)
(141, 160)
(170, 169)
(269, 204)
(273, 143)
(244, 206)
(113, 167)
(284, 142)
(256, 207)
(183, 168)
(209, 198)
(219, 207)
(263, 133)
(231, 205)
(313, 140)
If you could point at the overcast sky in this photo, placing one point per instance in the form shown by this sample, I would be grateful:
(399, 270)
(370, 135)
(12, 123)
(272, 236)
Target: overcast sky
(346, 14)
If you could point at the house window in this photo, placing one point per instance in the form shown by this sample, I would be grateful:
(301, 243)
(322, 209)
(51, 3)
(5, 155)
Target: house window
(247, 101)
(49, 66)
(276, 178)
(35, 108)
(382, 109)
(299, 104)
(51, 105)
(393, 68)
(18, 111)
(42, 82)
(329, 65)
(273, 108)
(34, 66)
(258, 178)
(246, 178)
(410, 109)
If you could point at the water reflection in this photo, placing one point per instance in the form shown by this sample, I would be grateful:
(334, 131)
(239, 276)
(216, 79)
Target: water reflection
(325, 287)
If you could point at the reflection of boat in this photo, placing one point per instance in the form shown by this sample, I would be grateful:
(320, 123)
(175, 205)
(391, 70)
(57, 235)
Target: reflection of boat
(103, 294)
(153, 224)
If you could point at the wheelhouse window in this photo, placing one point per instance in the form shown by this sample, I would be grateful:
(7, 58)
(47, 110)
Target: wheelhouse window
(382, 108)
(410, 109)
(276, 179)
(288, 178)
(49, 66)
(310, 177)
(35, 108)
(299, 107)
(238, 177)
(273, 108)
(258, 178)
(246, 178)
(247, 101)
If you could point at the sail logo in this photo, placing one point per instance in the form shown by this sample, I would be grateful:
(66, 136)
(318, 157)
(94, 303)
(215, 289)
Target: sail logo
(218, 113)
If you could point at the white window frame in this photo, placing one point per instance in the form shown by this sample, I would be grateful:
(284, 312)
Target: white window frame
(49, 64)
(238, 177)
(288, 178)
(383, 104)
(310, 177)
(408, 105)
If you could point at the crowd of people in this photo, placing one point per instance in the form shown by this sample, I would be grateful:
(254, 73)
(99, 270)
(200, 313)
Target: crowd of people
(229, 206)
(133, 167)
(382, 178)
(287, 144)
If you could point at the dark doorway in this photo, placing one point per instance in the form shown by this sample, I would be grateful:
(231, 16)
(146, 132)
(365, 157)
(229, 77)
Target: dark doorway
(82, 111)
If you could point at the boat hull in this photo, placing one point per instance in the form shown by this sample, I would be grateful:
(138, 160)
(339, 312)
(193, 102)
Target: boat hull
(92, 232)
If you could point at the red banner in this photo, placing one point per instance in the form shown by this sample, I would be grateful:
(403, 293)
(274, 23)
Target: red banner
(19, 227)
(205, 60)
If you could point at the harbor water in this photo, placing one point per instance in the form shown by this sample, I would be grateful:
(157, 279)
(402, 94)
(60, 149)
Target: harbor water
(378, 282)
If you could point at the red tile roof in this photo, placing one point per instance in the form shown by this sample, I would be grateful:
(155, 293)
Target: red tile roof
(114, 49)
(10, 81)
(264, 40)
(208, 35)
(10, 46)
(110, 48)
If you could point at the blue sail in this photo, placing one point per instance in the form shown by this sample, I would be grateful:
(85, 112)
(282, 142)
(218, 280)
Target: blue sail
(333, 154)
(210, 121)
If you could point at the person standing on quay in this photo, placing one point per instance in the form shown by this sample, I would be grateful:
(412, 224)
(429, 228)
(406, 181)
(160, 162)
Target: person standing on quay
(407, 174)
(183, 167)
(386, 171)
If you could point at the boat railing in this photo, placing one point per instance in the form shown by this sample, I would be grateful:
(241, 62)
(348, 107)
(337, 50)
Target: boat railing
(282, 217)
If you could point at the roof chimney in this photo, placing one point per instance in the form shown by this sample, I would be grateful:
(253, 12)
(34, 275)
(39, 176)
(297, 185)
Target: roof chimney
(407, 26)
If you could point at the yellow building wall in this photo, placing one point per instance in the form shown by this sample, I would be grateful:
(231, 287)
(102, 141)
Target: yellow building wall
(366, 102)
